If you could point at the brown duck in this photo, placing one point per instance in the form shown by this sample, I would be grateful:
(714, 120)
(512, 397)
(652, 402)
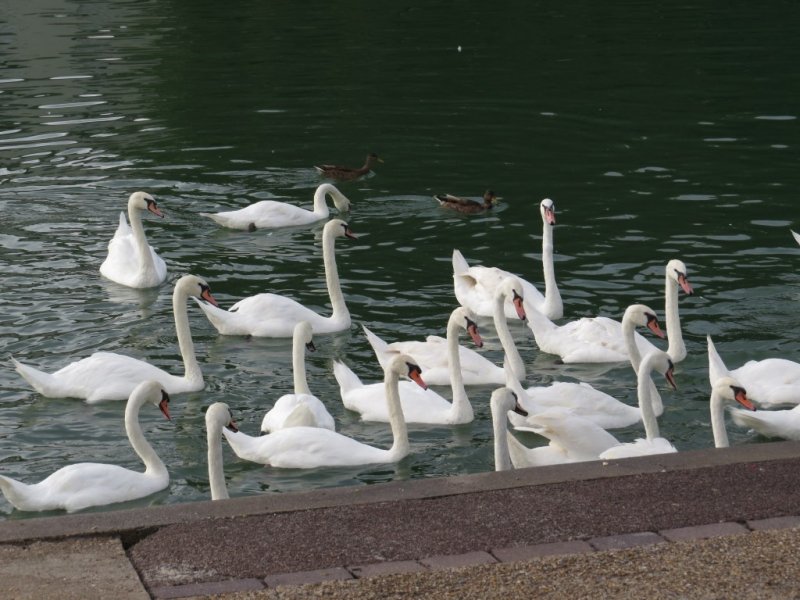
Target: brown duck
(465, 205)
(348, 173)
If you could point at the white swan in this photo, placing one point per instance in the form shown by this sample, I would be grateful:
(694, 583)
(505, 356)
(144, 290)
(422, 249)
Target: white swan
(111, 376)
(311, 447)
(433, 358)
(769, 382)
(796, 236)
(726, 390)
(286, 405)
(583, 399)
(503, 401)
(474, 286)
(652, 443)
(131, 261)
(770, 423)
(421, 406)
(82, 485)
(271, 214)
(217, 416)
(272, 315)
(596, 339)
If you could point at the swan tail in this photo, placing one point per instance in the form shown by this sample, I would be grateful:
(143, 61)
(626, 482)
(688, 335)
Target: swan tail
(223, 321)
(716, 368)
(460, 265)
(44, 383)
(14, 491)
(347, 380)
(379, 347)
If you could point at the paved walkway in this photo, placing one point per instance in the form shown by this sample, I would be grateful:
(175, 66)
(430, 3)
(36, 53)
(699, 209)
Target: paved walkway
(710, 523)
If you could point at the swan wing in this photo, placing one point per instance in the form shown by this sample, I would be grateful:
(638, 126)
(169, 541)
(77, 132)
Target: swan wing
(770, 382)
(419, 406)
(583, 400)
(285, 406)
(264, 215)
(640, 447)
(770, 423)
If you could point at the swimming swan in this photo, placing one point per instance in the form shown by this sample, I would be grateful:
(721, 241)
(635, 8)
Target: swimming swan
(311, 447)
(474, 286)
(272, 315)
(286, 405)
(502, 402)
(217, 416)
(82, 485)
(726, 390)
(270, 214)
(112, 376)
(131, 261)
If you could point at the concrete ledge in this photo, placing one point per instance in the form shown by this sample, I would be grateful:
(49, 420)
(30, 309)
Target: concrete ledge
(305, 577)
(702, 532)
(522, 553)
(386, 568)
(774, 523)
(626, 540)
(455, 561)
(206, 589)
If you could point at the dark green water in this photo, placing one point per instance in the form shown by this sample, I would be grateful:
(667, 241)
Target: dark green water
(659, 131)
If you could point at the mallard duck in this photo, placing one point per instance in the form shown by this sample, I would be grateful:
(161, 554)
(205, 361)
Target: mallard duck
(340, 173)
(466, 205)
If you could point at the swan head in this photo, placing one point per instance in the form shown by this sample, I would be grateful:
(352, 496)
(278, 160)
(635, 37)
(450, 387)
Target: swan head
(504, 400)
(338, 228)
(144, 201)
(405, 366)
(150, 391)
(676, 271)
(304, 334)
(219, 415)
(192, 285)
(466, 319)
(643, 316)
(730, 390)
(548, 209)
(658, 360)
(512, 288)
(341, 201)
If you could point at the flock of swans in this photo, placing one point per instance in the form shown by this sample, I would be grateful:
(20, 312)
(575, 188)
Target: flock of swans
(299, 432)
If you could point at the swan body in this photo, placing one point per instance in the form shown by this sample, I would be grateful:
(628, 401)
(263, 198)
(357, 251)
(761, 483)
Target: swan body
(131, 261)
(652, 443)
(82, 485)
(270, 214)
(272, 315)
(112, 376)
(217, 416)
(311, 447)
(474, 286)
(769, 382)
(341, 173)
(771, 423)
(433, 357)
(286, 405)
(503, 401)
(419, 405)
(467, 205)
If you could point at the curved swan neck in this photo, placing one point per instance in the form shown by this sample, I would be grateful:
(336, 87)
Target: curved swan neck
(461, 409)
(152, 463)
(299, 366)
(643, 382)
(216, 475)
(400, 446)
(512, 356)
(332, 276)
(676, 348)
(628, 331)
(718, 421)
(179, 309)
(146, 264)
(552, 296)
(320, 202)
(502, 457)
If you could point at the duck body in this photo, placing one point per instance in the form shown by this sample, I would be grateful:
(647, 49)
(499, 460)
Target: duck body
(467, 205)
(131, 261)
(270, 214)
(340, 173)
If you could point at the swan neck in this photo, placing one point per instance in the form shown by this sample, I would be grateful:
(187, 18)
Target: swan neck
(502, 456)
(718, 421)
(153, 466)
(332, 277)
(512, 356)
(180, 311)
(461, 409)
(216, 475)
(552, 297)
(643, 382)
(400, 446)
(146, 264)
(320, 203)
(629, 337)
(299, 367)
(676, 348)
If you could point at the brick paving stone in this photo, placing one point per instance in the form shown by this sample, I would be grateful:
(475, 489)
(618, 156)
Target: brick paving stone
(454, 561)
(521, 553)
(207, 589)
(774, 523)
(386, 568)
(626, 540)
(304, 577)
(702, 532)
